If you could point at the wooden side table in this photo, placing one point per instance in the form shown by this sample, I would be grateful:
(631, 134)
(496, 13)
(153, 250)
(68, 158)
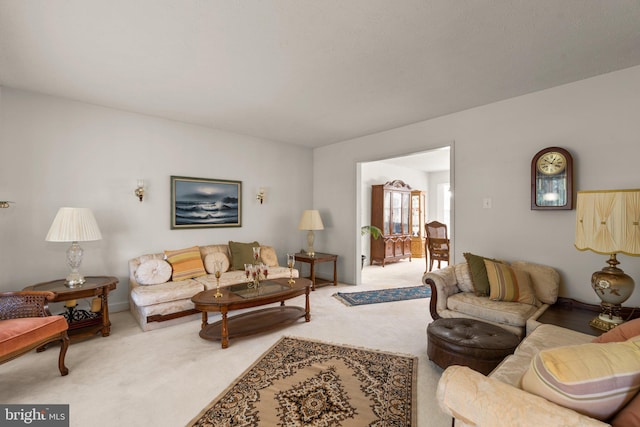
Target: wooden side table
(316, 259)
(575, 315)
(83, 323)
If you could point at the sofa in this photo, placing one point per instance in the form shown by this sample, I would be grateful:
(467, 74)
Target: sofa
(162, 284)
(512, 394)
(466, 290)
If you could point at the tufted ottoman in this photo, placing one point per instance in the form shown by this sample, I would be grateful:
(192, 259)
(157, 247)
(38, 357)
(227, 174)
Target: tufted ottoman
(478, 345)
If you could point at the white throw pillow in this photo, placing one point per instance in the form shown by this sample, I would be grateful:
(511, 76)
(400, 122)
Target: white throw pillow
(210, 259)
(153, 272)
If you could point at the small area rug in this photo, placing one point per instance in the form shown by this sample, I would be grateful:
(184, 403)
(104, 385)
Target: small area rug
(383, 295)
(299, 382)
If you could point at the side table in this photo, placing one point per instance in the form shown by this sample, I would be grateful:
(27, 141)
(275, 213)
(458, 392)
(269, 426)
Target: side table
(575, 315)
(83, 323)
(316, 259)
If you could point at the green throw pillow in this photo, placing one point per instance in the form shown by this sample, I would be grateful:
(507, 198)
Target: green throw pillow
(479, 273)
(241, 253)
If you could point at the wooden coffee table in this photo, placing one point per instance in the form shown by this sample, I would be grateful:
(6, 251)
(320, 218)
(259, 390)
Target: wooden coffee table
(236, 297)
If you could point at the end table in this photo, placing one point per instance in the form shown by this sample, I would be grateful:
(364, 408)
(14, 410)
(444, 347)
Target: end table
(575, 315)
(83, 323)
(316, 259)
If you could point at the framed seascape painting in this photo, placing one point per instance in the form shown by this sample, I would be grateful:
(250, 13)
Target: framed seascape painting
(204, 203)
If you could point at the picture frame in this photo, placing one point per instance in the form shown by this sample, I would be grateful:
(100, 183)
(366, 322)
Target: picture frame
(205, 203)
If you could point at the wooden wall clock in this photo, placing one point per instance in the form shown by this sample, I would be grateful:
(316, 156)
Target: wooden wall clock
(552, 180)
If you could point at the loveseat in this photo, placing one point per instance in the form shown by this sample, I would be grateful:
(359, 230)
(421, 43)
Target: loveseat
(457, 291)
(162, 284)
(568, 360)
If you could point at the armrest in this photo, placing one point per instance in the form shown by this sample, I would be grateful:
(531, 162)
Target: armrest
(443, 283)
(477, 400)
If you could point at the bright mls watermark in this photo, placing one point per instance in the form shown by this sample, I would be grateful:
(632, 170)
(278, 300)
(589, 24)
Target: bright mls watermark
(34, 415)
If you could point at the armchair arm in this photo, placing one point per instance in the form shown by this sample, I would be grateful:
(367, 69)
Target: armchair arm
(14, 305)
(443, 283)
(476, 400)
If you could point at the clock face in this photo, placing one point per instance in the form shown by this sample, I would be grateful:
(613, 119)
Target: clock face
(551, 163)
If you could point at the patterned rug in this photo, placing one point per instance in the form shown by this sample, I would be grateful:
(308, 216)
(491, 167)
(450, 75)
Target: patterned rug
(383, 295)
(309, 383)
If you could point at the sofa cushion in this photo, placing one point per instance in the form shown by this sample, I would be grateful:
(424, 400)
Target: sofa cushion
(241, 254)
(545, 280)
(509, 313)
(509, 284)
(153, 272)
(165, 292)
(463, 277)
(478, 273)
(594, 379)
(268, 256)
(544, 337)
(186, 263)
(621, 332)
(210, 262)
(16, 334)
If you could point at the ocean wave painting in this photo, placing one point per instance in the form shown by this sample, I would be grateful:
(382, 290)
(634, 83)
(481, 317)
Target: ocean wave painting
(199, 202)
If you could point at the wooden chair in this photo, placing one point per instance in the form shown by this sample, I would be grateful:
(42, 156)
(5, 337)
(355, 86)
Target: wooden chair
(25, 324)
(437, 243)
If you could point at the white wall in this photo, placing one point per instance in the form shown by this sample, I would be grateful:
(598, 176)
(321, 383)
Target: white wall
(56, 152)
(435, 210)
(595, 119)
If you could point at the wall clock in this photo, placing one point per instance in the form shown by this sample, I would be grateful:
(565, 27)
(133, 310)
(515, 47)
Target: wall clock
(552, 179)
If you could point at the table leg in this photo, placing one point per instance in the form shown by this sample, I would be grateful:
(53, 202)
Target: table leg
(225, 328)
(307, 307)
(106, 323)
(205, 319)
(335, 272)
(312, 275)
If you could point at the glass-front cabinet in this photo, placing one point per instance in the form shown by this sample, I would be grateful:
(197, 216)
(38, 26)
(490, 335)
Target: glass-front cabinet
(391, 212)
(418, 219)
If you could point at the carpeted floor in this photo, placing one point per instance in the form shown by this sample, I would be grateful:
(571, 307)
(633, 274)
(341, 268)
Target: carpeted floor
(383, 295)
(300, 382)
(166, 377)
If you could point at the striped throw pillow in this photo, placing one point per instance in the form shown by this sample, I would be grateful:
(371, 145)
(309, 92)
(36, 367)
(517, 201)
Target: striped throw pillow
(596, 380)
(509, 284)
(186, 263)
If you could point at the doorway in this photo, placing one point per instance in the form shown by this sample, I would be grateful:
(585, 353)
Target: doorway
(429, 171)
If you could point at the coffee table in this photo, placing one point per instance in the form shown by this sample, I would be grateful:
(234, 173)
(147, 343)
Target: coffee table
(236, 297)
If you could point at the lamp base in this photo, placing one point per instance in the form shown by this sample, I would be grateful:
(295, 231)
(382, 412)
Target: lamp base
(603, 323)
(74, 280)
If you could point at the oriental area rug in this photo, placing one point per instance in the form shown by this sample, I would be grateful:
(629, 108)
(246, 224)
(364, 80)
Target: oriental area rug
(383, 295)
(300, 382)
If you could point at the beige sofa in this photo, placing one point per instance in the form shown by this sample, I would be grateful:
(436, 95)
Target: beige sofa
(453, 295)
(157, 305)
(498, 400)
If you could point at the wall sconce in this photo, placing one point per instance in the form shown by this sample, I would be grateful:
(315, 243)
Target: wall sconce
(260, 196)
(4, 204)
(139, 192)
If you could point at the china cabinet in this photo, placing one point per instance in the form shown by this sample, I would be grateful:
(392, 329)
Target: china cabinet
(390, 212)
(418, 215)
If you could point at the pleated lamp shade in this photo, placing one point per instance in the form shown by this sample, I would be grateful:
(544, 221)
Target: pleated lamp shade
(74, 225)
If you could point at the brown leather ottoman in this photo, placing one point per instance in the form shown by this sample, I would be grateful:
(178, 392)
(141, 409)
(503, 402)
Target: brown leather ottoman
(478, 345)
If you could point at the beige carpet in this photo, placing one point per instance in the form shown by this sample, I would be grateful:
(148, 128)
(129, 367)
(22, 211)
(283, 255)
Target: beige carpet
(166, 377)
(301, 382)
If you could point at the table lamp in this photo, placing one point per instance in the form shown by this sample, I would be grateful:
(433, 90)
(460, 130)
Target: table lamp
(74, 225)
(310, 221)
(607, 222)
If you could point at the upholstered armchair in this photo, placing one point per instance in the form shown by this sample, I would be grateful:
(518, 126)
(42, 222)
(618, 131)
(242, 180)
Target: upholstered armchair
(25, 324)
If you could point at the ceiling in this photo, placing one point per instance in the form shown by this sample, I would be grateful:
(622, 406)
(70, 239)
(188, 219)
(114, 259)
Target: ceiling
(309, 72)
